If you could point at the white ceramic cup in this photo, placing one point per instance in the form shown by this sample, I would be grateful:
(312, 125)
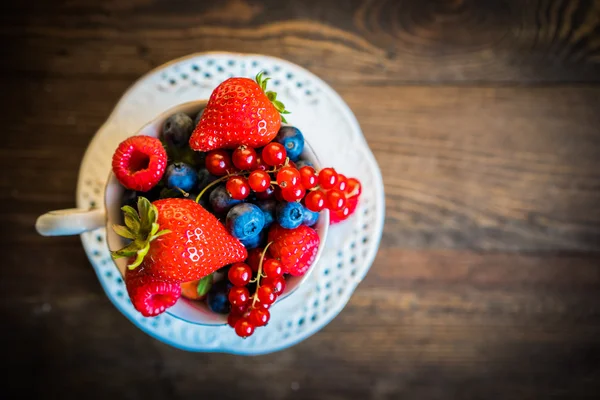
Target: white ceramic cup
(76, 221)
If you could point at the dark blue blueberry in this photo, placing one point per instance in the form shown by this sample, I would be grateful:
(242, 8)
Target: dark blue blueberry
(129, 198)
(204, 178)
(268, 208)
(217, 297)
(290, 215)
(182, 176)
(293, 141)
(198, 116)
(255, 241)
(310, 217)
(177, 130)
(302, 163)
(245, 221)
(152, 194)
(220, 200)
(203, 201)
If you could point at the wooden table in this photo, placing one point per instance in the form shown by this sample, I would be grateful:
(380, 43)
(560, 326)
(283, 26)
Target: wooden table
(484, 117)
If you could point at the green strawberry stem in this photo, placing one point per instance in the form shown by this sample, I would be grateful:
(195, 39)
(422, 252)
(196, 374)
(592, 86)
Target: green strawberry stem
(259, 274)
(141, 227)
(272, 96)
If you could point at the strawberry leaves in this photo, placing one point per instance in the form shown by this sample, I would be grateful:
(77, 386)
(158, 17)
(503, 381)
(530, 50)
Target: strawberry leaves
(272, 96)
(141, 227)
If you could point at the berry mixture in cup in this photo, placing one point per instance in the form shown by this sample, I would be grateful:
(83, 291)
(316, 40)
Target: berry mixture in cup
(221, 207)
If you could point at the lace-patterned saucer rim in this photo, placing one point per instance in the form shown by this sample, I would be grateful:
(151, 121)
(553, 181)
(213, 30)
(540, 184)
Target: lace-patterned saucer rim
(219, 339)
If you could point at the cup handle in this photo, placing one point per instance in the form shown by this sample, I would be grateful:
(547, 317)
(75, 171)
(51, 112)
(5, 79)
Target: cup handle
(72, 221)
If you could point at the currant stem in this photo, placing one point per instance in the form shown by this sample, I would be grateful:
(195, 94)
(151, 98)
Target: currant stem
(224, 178)
(183, 192)
(259, 274)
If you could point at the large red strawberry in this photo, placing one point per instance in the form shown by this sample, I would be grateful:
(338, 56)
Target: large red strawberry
(191, 242)
(149, 295)
(295, 248)
(239, 111)
(139, 162)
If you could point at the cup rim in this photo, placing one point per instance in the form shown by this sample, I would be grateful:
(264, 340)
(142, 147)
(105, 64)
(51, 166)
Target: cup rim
(113, 183)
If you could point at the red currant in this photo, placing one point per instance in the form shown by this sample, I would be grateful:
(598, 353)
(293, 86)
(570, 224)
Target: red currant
(277, 283)
(244, 158)
(239, 274)
(277, 193)
(238, 296)
(233, 318)
(260, 164)
(293, 194)
(240, 310)
(218, 162)
(328, 178)
(336, 200)
(342, 182)
(266, 294)
(315, 200)
(262, 305)
(259, 181)
(288, 177)
(244, 328)
(259, 316)
(266, 194)
(353, 188)
(253, 259)
(273, 154)
(272, 268)
(238, 187)
(308, 177)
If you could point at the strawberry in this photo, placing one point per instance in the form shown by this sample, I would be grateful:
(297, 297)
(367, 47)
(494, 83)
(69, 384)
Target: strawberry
(149, 295)
(191, 244)
(295, 248)
(139, 162)
(239, 112)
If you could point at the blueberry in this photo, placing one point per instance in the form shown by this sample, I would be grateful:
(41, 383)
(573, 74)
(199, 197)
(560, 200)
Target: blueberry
(310, 217)
(152, 194)
(303, 163)
(217, 297)
(203, 201)
(290, 215)
(245, 221)
(292, 139)
(255, 241)
(268, 208)
(204, 178)
(198, 116)
(182, 176)
(129, 198)
(220, 200)
(177, 130)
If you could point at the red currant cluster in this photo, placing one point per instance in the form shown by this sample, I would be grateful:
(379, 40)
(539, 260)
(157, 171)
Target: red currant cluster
(249, 311)
(272, 173)
(332, 192)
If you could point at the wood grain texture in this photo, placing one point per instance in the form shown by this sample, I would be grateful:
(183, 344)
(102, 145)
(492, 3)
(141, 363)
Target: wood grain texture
(484, 118)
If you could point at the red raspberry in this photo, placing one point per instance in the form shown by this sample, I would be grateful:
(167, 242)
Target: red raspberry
(139, 162)
(149, 295)
(295, 248)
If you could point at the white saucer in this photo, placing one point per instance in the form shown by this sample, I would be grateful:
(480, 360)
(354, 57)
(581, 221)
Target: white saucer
(327, 123)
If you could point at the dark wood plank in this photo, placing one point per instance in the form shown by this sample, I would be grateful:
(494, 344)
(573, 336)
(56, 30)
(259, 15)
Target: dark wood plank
(387, 41)
(484, 118)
